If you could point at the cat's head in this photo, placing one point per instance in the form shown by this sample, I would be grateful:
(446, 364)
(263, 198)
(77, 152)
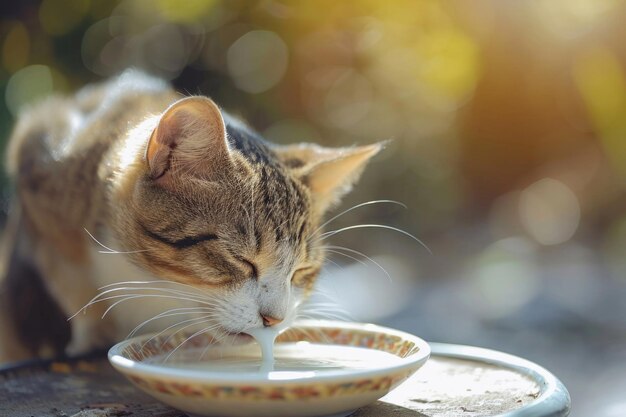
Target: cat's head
(208, 203)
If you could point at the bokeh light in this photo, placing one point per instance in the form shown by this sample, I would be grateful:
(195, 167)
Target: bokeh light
(615, 249)
(188, 11)
(257, 61)
(550, 211)
(599, 76)
(58, 17)
(27, 85)
(16, 47)
(570, 18)
(504, 278)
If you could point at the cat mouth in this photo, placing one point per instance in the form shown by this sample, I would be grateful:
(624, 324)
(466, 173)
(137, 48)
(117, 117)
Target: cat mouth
(238, 338)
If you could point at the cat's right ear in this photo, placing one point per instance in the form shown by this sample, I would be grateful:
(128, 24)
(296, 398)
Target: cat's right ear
(328, 172)
(190, 139)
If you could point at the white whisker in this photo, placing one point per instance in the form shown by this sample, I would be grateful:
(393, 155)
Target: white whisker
(363, 255)
(326, 315)
(192, 322)
(190, 295)
(162, 281)
(334, 263)
(213, 342)
(330, 309)
(133, 296)
(170, 313)
(346, 255)
(320, 309)
(367, 203)
(108, 250)
(170, 327)
(373, 226)
(199, 332)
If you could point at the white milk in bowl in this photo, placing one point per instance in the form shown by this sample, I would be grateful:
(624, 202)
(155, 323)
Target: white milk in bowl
(282, 360)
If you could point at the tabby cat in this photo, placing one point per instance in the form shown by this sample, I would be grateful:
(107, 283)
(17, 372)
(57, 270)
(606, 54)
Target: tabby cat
(176, 191)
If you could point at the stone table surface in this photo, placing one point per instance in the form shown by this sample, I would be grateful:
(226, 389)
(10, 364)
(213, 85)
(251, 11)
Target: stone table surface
(445, 386)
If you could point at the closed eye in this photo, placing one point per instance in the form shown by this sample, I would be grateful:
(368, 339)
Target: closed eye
(187, 242)
(301, 276)
(254, 271)
(183, 243)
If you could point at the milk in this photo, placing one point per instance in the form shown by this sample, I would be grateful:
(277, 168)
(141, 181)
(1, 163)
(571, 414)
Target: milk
(265, 337)
(285, 360)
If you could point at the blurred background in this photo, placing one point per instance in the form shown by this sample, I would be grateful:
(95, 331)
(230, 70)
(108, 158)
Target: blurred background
(507, 122)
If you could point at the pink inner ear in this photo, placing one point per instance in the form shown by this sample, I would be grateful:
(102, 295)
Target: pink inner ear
(161, 145)
(330, 179)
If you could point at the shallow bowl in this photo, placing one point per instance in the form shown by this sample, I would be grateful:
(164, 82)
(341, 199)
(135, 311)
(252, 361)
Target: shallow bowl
(204, 392)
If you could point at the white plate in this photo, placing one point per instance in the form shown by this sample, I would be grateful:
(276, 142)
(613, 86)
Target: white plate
(191, 384)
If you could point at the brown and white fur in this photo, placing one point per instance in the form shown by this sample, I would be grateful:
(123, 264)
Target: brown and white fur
(182, 192)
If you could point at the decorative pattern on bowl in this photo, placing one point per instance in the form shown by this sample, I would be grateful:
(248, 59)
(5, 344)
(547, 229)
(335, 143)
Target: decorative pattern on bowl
(273, 393)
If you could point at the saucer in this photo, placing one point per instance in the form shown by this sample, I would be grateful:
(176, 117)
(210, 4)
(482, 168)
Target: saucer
(190, 382)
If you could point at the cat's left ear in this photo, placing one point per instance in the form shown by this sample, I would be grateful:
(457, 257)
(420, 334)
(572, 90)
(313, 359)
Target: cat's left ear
(190, 139)
(329, 173)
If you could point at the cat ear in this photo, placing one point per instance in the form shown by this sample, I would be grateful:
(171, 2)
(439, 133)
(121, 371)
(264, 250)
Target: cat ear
(328, 172)
(191, 139)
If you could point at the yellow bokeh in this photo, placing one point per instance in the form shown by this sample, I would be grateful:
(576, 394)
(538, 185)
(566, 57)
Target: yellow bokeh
(59, 17)
(184, 11)
(600, 80)
(16, 47)
(411, 15)
(449, 63)
(570, 17)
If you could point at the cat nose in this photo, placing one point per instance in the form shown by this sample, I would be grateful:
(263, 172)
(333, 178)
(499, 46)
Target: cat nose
(269, 321)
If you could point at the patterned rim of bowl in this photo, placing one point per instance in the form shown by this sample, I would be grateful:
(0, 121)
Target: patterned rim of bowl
(128, 356)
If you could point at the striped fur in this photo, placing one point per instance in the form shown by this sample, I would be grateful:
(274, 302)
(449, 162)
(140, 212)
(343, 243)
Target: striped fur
(192, 195)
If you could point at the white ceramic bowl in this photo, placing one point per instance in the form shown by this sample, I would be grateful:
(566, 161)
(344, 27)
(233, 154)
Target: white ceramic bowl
(206, 392)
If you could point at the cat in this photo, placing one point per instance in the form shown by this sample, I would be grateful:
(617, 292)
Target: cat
(177, 191)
